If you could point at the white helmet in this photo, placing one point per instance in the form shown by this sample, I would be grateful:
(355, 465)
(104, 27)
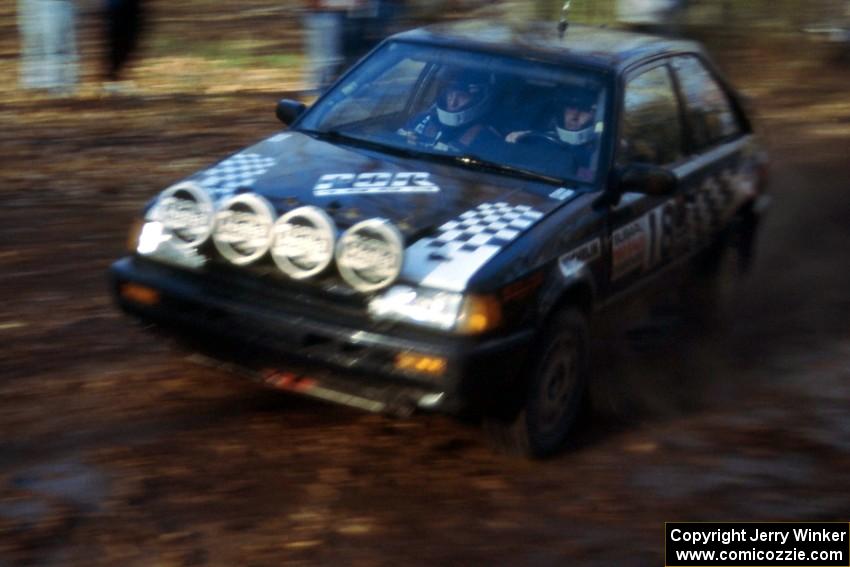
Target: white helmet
(583, 101)
(576, 137)
(478, 92)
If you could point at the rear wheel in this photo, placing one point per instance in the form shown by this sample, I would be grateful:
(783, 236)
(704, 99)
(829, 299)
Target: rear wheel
(554, 394)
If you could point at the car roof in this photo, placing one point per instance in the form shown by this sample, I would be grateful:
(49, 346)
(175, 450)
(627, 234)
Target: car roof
(601, 47)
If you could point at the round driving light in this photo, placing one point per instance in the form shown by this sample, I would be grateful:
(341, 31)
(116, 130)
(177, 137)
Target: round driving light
(369, 254)
(303, 242)
(186, 212)
(243, 228)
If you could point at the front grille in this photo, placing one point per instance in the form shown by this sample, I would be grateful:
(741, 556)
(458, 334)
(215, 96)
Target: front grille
(323, 299)
(329, 287)
(308, 345)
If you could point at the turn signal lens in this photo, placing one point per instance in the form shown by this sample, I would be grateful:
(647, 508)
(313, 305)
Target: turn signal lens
(480, 313)
(139, 294)
(421, 363)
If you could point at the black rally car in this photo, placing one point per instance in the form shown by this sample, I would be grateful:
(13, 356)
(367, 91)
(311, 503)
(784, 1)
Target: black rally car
(438, 229)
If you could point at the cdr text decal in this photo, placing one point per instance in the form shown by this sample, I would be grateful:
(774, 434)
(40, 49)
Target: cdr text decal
(333, 184)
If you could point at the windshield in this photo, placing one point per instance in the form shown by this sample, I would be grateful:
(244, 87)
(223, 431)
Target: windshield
(525, 115)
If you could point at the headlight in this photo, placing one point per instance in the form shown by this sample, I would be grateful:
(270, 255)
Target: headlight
(430, 308)
(443, 310)
(185, 211)
(303, 244)
(243, 229)
(149, 237)
(369, 254)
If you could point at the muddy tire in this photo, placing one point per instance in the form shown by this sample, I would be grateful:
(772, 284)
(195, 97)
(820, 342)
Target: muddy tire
(556, 389)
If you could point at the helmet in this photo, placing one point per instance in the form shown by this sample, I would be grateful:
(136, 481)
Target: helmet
(575, 131)
(465, 98)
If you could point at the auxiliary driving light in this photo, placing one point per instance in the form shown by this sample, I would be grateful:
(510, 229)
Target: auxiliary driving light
(243, 228)
(303, 242)
(185, 211)
(369, 254)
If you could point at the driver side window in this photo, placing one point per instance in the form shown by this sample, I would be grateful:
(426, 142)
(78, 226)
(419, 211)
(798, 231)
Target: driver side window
(651, 131)
(384, 95)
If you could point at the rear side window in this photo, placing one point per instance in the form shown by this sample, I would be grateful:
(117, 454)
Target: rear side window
(708, 111)
(652, 131)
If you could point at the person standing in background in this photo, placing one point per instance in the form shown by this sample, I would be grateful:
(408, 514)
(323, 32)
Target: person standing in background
(124, 20)
(48, 45)
(663, 17)
(325, 22)
(368, 23)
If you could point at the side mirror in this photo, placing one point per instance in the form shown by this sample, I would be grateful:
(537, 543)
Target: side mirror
(646, 179)
(288, 111)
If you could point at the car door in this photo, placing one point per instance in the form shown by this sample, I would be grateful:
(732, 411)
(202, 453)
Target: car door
(645, 228)
(720, 171)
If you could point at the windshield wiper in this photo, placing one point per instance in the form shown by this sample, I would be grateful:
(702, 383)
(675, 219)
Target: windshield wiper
(475, 161)
(334, 135)
(337, 136)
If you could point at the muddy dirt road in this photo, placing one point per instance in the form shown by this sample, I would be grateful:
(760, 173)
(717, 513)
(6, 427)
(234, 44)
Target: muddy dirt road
(117, 451)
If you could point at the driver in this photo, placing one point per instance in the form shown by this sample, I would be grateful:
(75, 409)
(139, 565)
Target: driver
(457, 120)
(573, 127)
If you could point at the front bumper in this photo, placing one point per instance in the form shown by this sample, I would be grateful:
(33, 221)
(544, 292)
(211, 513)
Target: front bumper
(339, 356)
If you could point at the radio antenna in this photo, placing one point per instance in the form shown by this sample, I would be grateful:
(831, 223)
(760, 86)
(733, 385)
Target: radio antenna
(564, 24)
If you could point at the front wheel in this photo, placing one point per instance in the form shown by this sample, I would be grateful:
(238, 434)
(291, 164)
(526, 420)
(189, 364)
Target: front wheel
(554, 394)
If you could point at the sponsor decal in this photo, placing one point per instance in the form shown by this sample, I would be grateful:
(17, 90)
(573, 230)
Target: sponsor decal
(680, 224)
(463, 245)
(586, 253)
(333, 184)
(630, 248)
(576, 259)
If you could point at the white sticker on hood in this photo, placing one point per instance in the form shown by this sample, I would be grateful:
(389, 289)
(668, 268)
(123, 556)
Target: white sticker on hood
(241, 170)
(463, 245)
(561, 194)
(333, 184)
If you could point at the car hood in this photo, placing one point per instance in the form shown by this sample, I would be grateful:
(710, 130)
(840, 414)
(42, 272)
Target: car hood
(352, 184)
(453, 218)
